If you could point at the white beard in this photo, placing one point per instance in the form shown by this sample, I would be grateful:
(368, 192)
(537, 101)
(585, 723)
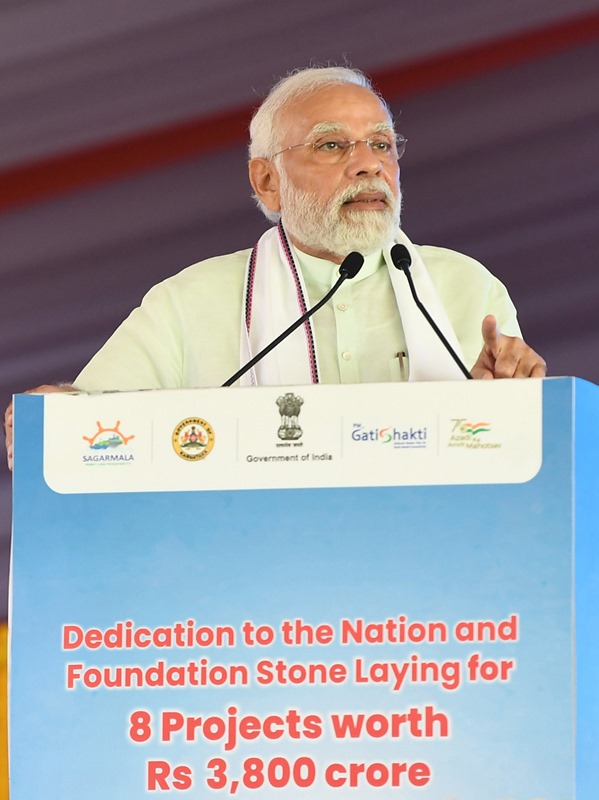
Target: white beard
(324, 226)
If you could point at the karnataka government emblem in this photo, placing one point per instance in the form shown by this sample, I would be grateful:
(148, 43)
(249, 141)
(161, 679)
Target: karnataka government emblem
(290, 406)
(193, 439)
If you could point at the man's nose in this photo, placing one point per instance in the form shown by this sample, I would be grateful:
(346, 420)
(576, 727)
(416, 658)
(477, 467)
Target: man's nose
(363, 160)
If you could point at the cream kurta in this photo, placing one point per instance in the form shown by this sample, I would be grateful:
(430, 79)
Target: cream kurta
(186, 332)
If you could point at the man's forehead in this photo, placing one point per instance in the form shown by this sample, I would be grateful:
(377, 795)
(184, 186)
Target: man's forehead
(338, 107)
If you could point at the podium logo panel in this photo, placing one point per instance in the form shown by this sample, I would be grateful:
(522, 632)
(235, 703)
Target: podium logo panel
(483, 432)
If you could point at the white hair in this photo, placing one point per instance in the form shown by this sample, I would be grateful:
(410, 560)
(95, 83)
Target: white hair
(265, 132)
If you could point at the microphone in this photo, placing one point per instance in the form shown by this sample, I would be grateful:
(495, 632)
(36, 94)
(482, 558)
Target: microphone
(348, 269)
(402, 260)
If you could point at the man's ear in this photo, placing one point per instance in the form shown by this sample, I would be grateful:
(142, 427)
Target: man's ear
(264, 178)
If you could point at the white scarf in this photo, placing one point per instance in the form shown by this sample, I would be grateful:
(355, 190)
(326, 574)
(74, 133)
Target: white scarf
(275, 296)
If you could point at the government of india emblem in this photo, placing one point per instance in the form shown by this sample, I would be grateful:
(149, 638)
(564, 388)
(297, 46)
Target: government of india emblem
(290, 406)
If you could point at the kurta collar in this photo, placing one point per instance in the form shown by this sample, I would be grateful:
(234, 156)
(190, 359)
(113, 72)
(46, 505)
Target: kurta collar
(319, 270)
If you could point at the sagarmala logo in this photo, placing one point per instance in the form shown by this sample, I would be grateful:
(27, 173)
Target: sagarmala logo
(104, 442)
(471, 435)
(193, 439)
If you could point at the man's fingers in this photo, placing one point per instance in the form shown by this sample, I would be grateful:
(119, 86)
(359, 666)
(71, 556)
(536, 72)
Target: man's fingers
(508, 364)
(517, 360)
(8, 415)
(8, 434)
(531, 366)
(539, 370)
(8, 421)
(490, 331)
(50, 389)
(506, 356)
(481, 372)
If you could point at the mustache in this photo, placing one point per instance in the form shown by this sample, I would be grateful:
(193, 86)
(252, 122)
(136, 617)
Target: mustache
(365, 185)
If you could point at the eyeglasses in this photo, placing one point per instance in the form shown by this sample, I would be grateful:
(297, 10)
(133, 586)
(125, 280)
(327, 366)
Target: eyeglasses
(335, 149)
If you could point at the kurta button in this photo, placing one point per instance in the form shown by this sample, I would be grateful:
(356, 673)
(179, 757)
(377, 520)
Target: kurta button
(346, 356)
(342, 306)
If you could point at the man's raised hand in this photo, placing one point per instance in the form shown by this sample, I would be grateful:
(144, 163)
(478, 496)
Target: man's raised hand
(506, 356)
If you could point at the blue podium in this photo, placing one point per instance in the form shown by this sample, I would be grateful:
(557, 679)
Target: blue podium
(317, 591)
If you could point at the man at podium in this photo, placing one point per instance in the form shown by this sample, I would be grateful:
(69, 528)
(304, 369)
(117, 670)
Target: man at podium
(324, 168)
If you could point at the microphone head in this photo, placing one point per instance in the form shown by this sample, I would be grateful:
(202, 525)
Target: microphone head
(401, 257)
(351, 265)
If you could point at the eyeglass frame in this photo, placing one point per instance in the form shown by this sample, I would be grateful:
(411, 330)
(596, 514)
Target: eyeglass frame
(398, 140)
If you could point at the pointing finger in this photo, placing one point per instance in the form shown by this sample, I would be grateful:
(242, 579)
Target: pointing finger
(490, 331)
